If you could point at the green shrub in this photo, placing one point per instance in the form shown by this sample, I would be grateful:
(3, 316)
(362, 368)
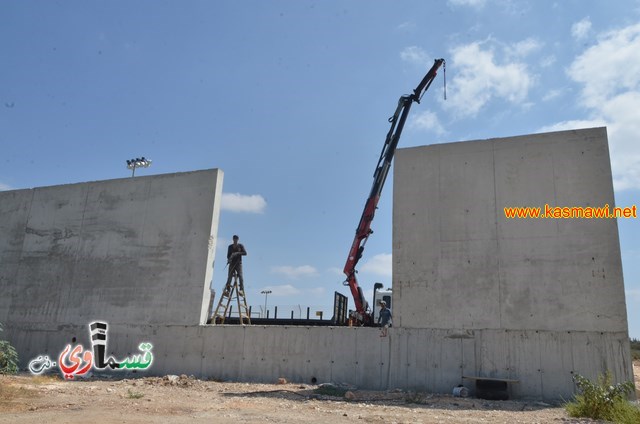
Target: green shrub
(603, 401)
(329, 389)
(8, 357)
(624, 412)
(134, 395)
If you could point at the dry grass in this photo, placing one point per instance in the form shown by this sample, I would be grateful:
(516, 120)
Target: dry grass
(14, 397)
(45, 379)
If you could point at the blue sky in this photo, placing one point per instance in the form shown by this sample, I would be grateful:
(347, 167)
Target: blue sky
(291, 100)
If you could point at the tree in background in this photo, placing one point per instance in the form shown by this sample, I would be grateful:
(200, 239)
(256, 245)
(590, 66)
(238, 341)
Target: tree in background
(8, 357)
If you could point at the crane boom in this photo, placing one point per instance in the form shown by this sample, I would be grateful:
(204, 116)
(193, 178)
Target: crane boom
(379, 177)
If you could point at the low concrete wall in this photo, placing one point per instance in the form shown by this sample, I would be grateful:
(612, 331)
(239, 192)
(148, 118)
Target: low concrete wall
(415, 359)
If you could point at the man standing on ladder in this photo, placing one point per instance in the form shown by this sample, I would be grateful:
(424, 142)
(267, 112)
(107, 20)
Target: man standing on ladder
(235, 252)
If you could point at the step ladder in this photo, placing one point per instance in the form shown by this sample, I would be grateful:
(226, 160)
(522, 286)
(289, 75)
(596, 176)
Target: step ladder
(230, 296)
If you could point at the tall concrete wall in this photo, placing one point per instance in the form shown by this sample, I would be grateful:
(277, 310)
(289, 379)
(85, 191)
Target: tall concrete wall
(134, 250)
(540, 289)
(474, 294)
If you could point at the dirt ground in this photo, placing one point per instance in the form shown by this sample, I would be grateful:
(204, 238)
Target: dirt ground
(28, 399)
(636, 377)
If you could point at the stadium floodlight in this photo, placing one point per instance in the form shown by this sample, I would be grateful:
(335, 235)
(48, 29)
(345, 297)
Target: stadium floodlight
(265, 293)
(142, 162)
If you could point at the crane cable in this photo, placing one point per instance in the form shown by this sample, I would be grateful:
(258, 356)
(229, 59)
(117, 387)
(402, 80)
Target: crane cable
(444, 74)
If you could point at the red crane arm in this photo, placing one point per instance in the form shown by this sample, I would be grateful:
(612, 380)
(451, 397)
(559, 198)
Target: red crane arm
(380, 175)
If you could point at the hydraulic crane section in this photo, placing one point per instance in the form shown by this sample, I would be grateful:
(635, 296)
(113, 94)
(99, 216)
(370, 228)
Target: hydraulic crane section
(380, 175)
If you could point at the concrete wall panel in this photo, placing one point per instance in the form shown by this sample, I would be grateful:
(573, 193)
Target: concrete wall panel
(450, 367)
(232, 358)
(212, 351)
(460, 264)
(468, 272)
(295, 360)
(431, 356)
(75, 253)
(372, 361)
(319, 363)
(431, 360)
(344, 361)
(524, 363)
(464, 183)
(14, 210)
(556, 364)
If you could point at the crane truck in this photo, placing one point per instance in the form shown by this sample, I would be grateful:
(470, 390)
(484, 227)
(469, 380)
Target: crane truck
(363, 315)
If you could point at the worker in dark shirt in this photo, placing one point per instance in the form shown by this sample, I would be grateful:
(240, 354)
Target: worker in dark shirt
(384, 318)
(235, 252)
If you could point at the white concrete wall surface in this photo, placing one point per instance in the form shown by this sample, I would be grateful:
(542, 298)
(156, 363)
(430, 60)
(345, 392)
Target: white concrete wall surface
(411, 359)
(131, 250)
(460, 265)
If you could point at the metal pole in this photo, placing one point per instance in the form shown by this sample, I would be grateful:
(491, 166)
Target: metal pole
(266, 293)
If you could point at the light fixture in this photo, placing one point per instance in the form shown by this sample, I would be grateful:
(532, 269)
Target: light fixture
(142, 162)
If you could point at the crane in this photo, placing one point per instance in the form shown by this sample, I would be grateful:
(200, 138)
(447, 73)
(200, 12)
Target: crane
(362, 313)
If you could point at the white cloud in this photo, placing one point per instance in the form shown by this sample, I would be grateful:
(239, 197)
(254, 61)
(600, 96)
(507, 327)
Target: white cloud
(427, 120)
(480, 78)
(620, 52)
(611, 94)
(318, 291)
(380, 264)
(548, 61)
(523, 48)
(573, 125)
(551, 94)
(478, 4)
(236, 202)
(407, 26)
(5, 187)
(282, 290)
(295, 272)
(415, 55)
(335, 270)
(580, 30)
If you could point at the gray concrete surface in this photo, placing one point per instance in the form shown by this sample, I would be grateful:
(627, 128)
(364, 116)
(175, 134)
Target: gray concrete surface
(125, 251)
(474, 293)
(412, 359)
(460, 265)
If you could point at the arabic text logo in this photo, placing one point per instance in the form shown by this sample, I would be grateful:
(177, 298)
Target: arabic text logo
(76, 360)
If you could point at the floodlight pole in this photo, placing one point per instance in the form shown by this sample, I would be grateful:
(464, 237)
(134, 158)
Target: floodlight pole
(265, 293)
(142, 162)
